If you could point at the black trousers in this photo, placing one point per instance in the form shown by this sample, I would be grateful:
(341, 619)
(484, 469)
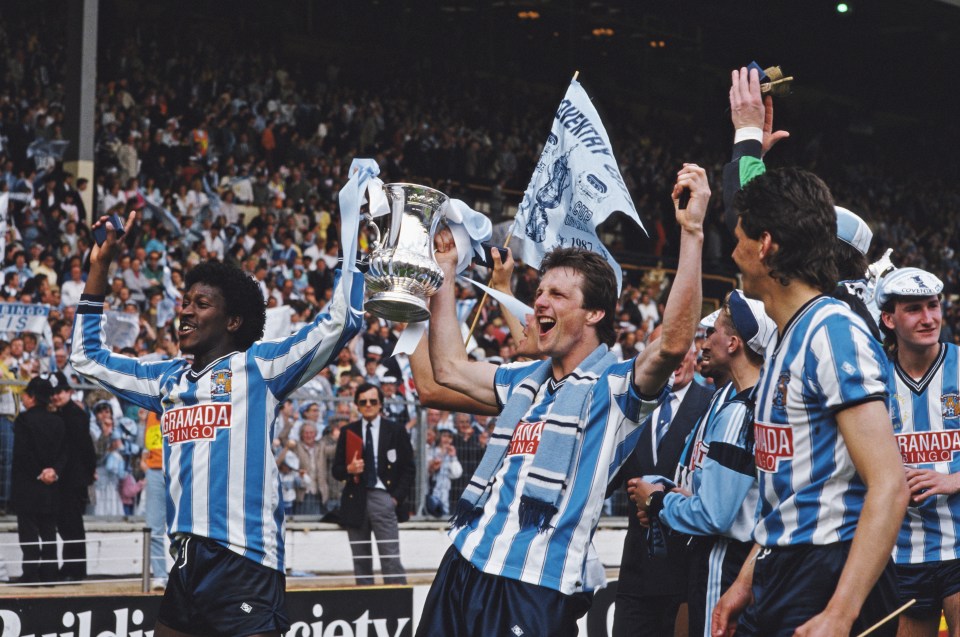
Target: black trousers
(70, 528)
(645, 615)
(38, 541)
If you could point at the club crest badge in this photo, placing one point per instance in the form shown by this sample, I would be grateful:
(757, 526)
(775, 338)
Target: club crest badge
(221, 382)
(950, 406)
(780, 395)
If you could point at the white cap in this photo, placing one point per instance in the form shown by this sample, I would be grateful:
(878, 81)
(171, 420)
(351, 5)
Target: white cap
(751, 321)
(709, 320)
(853, 230)
(907, 282)
(292, 461)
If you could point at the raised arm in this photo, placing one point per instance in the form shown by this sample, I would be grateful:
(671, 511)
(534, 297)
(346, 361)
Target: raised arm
(752, 118)
(500, 281)
(433, 394)
(682, 313)
(451, 366)
(122, 376)
(289, 363)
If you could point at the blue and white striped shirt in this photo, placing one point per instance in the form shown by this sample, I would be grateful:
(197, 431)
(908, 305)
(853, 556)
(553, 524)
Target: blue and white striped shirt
(556, 558)
(926, 421)
(723, 481)
(218, 423)
(693, 448)
(825, 360)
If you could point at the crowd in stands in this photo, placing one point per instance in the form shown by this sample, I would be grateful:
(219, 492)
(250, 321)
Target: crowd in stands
(240, 158)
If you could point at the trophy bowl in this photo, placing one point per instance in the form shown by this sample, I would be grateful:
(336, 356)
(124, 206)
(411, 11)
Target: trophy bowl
(403, 272)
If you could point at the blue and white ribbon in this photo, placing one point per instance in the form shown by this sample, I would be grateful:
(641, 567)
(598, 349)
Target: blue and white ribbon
(363, 185)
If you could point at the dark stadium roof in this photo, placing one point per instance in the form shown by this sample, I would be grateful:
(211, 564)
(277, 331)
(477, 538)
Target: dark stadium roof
(881, 55)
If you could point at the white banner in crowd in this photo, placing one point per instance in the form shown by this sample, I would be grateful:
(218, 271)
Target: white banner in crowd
(575, 187)
(121, 329)
(24, 317)
(278, 323)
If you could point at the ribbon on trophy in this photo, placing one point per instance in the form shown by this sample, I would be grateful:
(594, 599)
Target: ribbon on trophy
(512, 304)
(469, 229)
(363, 186)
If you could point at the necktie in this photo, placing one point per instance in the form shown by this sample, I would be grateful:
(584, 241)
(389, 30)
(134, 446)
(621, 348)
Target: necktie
(663, 420)
(369, 459)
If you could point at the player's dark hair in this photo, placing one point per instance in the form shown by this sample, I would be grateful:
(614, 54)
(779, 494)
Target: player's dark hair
(795, 207)
(890, 343)
(241, 294)
(599, 285)
(851, 263)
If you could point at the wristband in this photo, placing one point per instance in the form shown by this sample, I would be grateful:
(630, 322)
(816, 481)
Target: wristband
(748, 133)
(655, 504)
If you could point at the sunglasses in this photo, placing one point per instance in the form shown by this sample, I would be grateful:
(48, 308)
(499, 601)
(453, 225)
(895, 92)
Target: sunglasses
(363, 402)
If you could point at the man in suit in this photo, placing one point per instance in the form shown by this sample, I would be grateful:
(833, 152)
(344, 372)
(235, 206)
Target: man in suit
(78, 474)
(378, 477)
(651, 589)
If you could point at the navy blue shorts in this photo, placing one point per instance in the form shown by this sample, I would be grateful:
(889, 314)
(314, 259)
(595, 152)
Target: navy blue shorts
(793, 584)
(715, 563)
(929, 584)
(214, 591)
(466, 602)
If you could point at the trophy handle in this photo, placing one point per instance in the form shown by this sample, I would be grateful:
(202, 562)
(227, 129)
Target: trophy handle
(376, 230)
(434, 224)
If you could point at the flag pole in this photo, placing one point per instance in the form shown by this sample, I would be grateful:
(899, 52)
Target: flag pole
(887, 618)
(506, 244)
(476, 317)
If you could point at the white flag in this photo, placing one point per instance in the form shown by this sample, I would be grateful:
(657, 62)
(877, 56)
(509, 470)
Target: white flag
(24, 317)
(121, 329)
(278, 323)
(575, 187)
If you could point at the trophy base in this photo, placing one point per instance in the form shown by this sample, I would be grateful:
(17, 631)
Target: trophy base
(397, 306)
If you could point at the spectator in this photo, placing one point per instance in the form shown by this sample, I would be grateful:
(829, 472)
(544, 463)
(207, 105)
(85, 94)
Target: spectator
(71, 290)
(9, 406)
(38, 462)
(328, 445)
(155, 505)
(11, 286)
(469, 452)
(110, 472)
(377, 479)
(290, 479)
(443, 466)
(20, 267)
(313, 492)
(137, 282)
(286, 421)
(78, 474)
(394, 405)
(130, 487)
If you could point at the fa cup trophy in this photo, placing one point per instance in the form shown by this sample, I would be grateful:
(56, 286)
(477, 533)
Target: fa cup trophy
(403, 272)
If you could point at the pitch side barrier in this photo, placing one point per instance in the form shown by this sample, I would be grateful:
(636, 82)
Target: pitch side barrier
(323, 601)
(389, 611)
